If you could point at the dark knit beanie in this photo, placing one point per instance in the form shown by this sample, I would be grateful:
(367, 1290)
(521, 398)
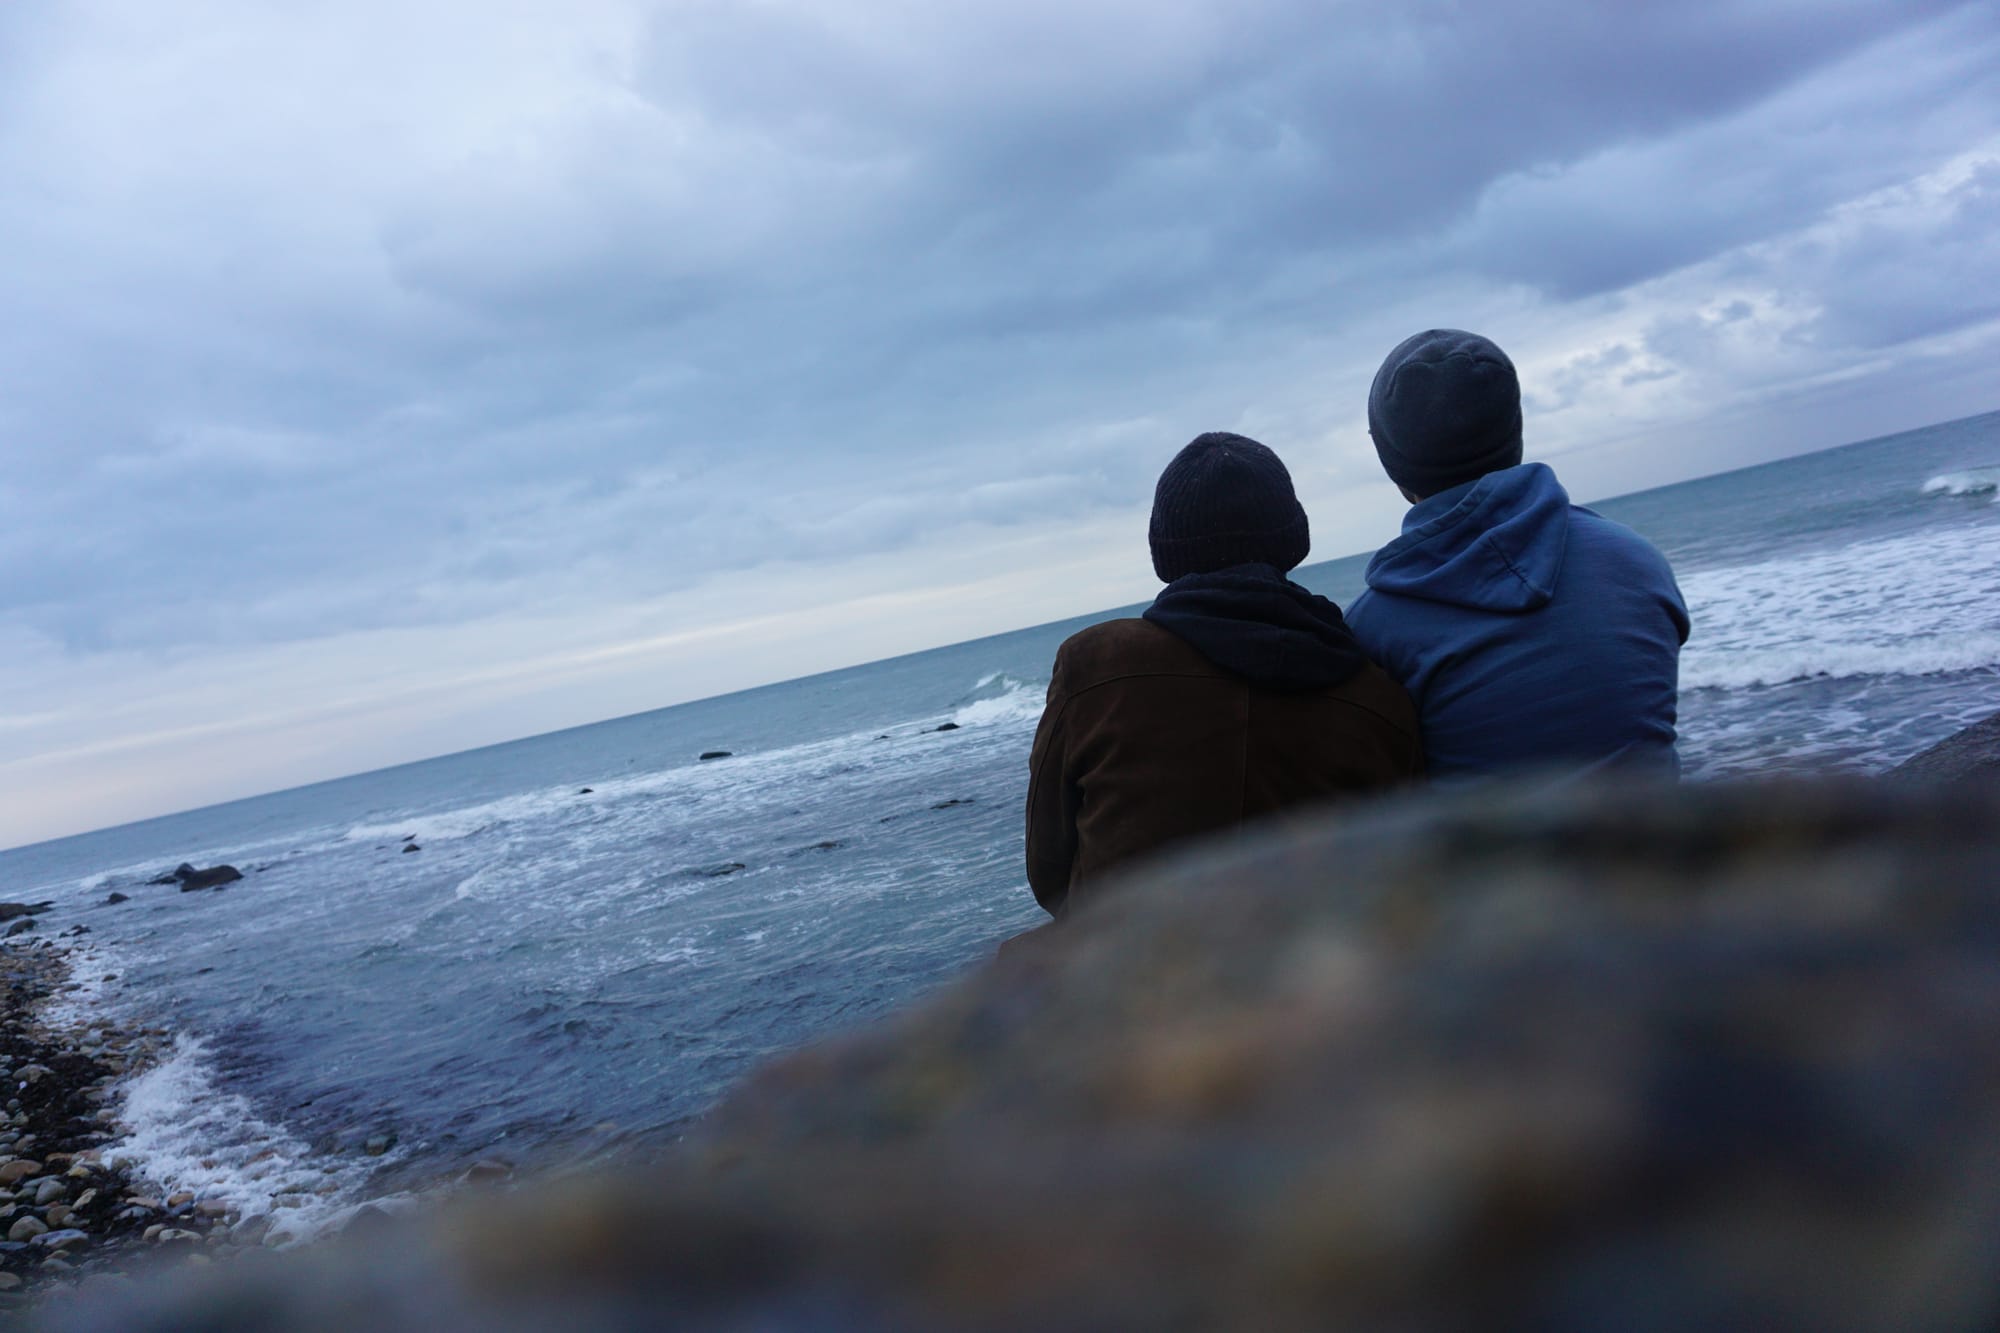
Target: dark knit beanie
(1445, 408)
(1225, 500)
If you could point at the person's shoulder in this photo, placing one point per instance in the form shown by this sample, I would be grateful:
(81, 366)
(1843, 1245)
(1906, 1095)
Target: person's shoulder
(1376, 691)
(1609, 535)
(1124, 647)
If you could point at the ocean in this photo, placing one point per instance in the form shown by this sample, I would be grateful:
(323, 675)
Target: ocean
(562, 974)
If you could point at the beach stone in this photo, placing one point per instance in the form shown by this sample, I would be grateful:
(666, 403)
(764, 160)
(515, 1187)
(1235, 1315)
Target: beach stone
(57, 1214)
(85, 1199)
(26, 1228)
(62, 1240)
(176, 1200)
(49, 1191)
(1973, 752)
(9, 1281)
(251, 1230)
(25, 924)
(14, 1172)
(213, 1208)
(1609, 1057)
(213, 877)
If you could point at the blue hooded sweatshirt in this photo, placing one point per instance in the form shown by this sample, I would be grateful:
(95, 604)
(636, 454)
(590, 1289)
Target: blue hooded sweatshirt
(1530, 632)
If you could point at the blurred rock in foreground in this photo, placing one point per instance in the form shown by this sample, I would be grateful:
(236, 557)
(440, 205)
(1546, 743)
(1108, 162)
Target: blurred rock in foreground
(1972, 752)
(1614, 1058)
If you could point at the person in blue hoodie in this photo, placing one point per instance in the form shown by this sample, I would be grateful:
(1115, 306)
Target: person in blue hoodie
(1530, 632)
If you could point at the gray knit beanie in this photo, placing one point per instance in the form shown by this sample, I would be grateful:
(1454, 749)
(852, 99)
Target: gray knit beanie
(1445, 409)
(1225, 500)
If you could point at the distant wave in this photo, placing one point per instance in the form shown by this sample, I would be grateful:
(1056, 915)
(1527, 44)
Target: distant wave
(1971, 481)
(999, 698)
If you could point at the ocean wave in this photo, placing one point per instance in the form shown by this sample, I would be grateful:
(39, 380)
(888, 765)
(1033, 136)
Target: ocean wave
(1911, 605)
(1000, 698)
(1970, 481)
(183, 1132)
(1923, 657)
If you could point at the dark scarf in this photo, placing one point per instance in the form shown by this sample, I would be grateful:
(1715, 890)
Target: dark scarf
(1255, 622)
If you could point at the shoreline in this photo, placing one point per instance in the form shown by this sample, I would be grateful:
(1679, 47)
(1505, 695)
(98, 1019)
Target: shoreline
(73, 1212)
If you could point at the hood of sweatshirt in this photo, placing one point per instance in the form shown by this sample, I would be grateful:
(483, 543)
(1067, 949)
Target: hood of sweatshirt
(1255, 622)
(1495, 544)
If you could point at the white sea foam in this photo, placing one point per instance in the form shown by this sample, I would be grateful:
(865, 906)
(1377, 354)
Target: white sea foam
(1016, 701)
(183, 1132)
(1909, 605)
(1971, 481)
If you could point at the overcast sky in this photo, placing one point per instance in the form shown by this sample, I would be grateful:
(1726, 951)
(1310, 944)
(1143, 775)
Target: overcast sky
(381, 378)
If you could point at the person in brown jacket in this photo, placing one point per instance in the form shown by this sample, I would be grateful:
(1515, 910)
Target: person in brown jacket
(1236, 694)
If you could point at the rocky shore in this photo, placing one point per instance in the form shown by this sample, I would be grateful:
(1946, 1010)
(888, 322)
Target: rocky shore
(1589, 1057)
(72, 1216)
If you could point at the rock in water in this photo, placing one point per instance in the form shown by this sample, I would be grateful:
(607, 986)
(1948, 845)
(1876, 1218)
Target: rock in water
(8, 911)
(715, 754)
(946, 726)
(213, 877)
(1973, 752)
(1614, 1057)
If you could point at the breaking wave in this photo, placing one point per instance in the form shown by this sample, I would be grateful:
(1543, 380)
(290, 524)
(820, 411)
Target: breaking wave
(1877, 608)
(1971, 481)
(183, 1132)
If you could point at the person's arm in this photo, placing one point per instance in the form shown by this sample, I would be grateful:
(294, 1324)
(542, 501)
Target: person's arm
(1052, 805)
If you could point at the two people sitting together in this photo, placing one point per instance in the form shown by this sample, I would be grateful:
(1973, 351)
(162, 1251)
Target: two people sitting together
(1505, 629)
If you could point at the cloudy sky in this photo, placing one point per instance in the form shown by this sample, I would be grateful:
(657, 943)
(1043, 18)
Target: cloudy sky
(383, 378)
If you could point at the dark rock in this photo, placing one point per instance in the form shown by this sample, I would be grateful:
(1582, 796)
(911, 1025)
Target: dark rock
(584, 791)
(947, 726)
(954, 801)
(115, 899)
(1973, 752)
(25, 923)
(719, 870)
(378, 1144)
(176, 875)
(413, 848)
(1613, 1057)
(210, 878)
(715, 754)
(8, 911)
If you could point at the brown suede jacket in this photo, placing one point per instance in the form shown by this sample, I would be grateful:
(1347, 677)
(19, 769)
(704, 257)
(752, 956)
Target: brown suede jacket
(1145, 742)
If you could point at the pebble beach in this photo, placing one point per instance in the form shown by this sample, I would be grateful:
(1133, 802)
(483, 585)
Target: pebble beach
(73, 1213)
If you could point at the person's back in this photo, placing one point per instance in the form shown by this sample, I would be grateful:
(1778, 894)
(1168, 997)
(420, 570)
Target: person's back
(1238, 693)
(1530, 632)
